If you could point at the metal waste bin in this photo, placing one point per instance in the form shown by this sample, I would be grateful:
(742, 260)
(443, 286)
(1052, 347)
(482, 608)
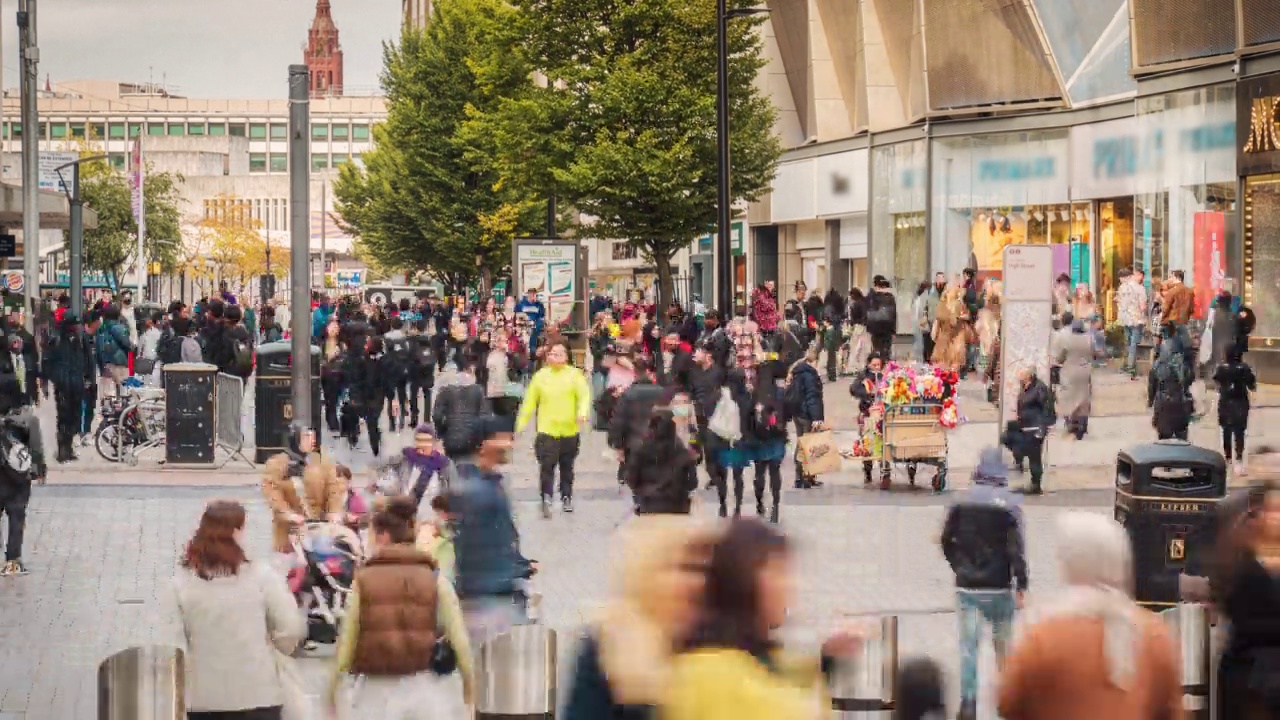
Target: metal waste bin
(1188, 625)
(143, 683)
(867, 683)
(516, 675)
(1166, 497)
(273, 398)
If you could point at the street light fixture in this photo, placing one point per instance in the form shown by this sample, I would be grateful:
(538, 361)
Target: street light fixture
(76, 206)
(724, 294)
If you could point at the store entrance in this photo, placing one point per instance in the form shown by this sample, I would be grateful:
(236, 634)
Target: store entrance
(1116, 243)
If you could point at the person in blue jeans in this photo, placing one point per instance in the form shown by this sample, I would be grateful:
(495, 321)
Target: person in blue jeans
(982, 540)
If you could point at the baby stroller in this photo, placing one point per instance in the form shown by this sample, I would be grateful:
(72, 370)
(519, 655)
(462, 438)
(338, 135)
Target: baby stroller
(322, 578)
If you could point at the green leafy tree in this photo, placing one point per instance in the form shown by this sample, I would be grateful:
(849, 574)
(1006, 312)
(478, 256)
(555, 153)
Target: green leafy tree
(112, 246)
(426, 200)
(624, 128)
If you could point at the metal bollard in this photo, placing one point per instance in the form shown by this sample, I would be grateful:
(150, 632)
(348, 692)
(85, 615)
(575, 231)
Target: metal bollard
(143, 683)
(1188, 623)
(867, 684)
(516, 675)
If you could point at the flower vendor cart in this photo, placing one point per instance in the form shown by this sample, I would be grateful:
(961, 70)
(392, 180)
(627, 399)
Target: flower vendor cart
(919, 409)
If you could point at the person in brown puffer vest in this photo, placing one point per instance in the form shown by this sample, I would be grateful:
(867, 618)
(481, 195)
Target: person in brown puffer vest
(399, 606)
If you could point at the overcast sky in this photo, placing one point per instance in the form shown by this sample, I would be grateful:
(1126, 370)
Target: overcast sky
(206, 48)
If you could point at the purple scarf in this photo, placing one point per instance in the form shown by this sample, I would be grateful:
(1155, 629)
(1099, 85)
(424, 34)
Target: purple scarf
(428, 465)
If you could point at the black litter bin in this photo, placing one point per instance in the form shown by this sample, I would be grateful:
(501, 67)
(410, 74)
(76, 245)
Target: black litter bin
(1167, 495)
(273, 406)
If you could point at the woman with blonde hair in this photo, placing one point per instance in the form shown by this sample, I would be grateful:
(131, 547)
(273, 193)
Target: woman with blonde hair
(1109, 658)
(624, 663)
(951, 328)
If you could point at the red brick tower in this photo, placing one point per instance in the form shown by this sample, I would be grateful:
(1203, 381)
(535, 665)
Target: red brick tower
(323, 53)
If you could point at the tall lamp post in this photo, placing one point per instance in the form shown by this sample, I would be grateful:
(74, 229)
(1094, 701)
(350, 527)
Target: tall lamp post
(724, 249)
(76, 205)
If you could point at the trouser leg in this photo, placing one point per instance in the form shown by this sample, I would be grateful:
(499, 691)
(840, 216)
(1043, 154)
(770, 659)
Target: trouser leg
(544, 450)
(568, 455)
(330, 390)
(15, 509)
(371, 419)
(737, 490)
(758, 485)
(1035, 453)
(802, 428)
(970, 619)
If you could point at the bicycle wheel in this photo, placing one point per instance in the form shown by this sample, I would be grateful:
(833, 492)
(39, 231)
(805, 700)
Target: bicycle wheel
(105, 442)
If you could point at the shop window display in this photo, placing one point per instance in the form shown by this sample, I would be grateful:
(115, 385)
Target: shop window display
(1115, 250)
(991, 230)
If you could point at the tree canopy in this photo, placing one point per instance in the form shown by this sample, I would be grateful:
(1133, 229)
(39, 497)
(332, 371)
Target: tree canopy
(426, 200)
(624, 128)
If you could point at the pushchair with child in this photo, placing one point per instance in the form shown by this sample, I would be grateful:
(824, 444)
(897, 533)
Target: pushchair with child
(322, 577)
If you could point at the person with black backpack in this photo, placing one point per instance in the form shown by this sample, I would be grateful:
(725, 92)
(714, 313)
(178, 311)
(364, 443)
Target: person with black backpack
(456, 410)
(422, 370)
(395, 367)
(766, 431)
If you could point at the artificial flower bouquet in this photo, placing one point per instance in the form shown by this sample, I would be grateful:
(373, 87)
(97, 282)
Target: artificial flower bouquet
(922, 385)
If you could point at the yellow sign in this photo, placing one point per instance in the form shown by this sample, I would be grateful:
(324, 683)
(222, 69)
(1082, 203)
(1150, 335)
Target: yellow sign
(1178, 549)
(288, 411)
(1264, 130)
(1179, 507)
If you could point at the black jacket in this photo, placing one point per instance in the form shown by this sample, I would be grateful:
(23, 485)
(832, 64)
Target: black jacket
(630, 419)
(674, 376)
(1035, 406)
(1235, 382)
(1169, 396)
(703, 387)
(662, 485)
(31, 358)
(457, 407)
(363, 378)
(718, 343)
(807, 389)
(982, 541)
(591, 697)
(865, 396)
(882, 314)
(69, 362)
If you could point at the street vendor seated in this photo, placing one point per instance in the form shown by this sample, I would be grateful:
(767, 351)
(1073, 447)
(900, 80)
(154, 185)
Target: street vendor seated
(866, 388)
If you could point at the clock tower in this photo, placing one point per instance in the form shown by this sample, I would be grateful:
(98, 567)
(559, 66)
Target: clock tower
(323, 53)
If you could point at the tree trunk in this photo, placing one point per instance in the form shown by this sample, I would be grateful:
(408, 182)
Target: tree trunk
(666, 286)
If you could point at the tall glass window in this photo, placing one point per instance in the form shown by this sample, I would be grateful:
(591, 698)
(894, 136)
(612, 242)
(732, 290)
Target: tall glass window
(257, 131)
(899, 242)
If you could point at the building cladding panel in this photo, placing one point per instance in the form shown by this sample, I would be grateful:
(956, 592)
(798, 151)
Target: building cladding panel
(1106, 75)
(985, 52)
(1073, 28)
(1168, 31)
(1261, 21)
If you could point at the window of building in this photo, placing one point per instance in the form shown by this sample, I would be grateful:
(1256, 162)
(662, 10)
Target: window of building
(284, 215)
(319, 132)
(319, 161)
(624, 251)
(117, 160)
(155, 128)
(360, 132)
(217, 129)
(236, 130)
(77, 130)
(279, 131)
(279, 163)
(98, 131)
(15, 131)
(116, 131)
(135, 129)
(257, 162)
(195, 128)
(340, 132)
(57, 130)
(177, 129)
(358, 159)
(257, 131)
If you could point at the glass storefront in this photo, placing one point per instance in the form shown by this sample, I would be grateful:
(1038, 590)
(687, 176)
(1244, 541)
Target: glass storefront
(899, 246)
(990, 191)
(1262, 254)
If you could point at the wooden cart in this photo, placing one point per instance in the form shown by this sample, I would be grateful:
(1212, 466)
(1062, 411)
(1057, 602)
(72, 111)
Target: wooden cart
(914, 436)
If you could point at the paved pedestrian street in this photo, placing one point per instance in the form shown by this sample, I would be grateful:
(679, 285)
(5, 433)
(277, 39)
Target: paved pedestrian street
(101, 559)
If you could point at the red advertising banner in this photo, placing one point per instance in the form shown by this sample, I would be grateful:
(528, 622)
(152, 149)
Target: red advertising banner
(1210, 258)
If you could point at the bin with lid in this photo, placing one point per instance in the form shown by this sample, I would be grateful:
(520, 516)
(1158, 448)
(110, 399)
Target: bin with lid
(273, 403)
(1166, 497)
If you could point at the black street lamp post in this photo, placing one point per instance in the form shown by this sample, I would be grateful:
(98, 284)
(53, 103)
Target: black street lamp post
(724, 249)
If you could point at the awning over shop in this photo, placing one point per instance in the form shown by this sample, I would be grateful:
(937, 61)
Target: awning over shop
(55, 211)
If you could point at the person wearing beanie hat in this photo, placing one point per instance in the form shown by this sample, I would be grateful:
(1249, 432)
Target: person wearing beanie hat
(982, 540)
(70, 367)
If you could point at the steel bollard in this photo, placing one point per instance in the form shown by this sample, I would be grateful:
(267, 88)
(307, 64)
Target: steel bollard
(1188, 623)
(516, 675)
(867, 684)
(143, 683)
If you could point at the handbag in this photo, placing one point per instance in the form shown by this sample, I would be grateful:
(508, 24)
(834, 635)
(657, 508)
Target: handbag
(444, 660)
(515, 390)
(817, 453)
(143, 366)
(726, 421)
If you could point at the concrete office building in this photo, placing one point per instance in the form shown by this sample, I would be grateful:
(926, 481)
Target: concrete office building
(925, 135)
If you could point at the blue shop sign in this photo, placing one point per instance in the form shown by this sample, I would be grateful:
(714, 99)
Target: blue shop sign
(1017, 170)
(1128, 155)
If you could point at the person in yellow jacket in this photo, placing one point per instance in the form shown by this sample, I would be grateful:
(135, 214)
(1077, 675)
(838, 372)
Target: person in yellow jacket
(733, 669)
(561, 397)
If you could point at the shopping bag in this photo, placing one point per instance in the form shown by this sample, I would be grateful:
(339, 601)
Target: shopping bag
(726, 422)
(818, 454)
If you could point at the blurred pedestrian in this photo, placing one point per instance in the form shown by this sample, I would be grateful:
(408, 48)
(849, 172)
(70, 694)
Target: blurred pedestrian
(237, 617)
(732, 668)
(1235, 381)
(623, 669)
(1087, 650)
(400, 608)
